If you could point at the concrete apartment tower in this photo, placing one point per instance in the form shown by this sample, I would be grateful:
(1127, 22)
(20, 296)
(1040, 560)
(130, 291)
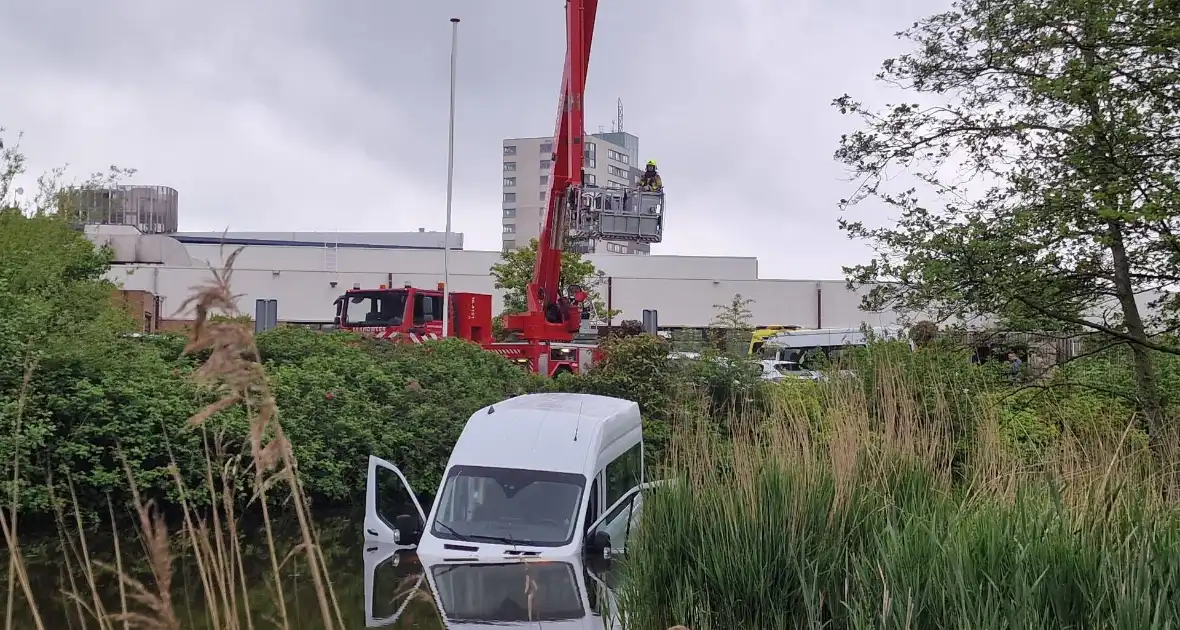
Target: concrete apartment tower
(612, 159)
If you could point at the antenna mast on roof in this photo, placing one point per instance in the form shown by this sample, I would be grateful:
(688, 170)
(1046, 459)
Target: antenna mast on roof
(619, 118)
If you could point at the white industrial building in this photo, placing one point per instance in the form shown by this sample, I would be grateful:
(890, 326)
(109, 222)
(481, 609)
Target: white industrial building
(306, 272)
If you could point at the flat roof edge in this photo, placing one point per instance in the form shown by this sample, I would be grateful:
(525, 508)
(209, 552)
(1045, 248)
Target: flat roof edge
(213, 240)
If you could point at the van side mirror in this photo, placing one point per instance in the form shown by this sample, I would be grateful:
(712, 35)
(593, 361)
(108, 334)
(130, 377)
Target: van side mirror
(406, 530)
(598, 543)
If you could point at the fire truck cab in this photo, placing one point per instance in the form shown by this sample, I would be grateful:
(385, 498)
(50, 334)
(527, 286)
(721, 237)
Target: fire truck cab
(414, 315)
(410, 315)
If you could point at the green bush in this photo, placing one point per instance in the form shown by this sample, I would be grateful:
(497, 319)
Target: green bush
(403, 403)
(634, 367)
(87, 410)
(923, 492)
(638, 368)
(732, 386)
(98, 395)
(83, 394)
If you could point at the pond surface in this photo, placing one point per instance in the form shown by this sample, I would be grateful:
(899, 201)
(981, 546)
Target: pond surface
(406, 594)
(375, 586)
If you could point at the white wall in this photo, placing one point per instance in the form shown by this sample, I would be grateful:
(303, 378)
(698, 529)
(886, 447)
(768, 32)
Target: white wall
(683, 267)
(348, 260)
(807, 303)
(309, 295)
(411, 261)
(684, 289)
(302, 295)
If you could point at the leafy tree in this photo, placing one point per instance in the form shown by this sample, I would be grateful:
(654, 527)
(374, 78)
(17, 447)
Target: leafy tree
(1048, 144)
(515, 271)
(923, 333)
(636, 367)
(52, 285)
(625, 328)
(12, 164)
(53, 196)
(85, 387)
(735, 315)
(733, 321)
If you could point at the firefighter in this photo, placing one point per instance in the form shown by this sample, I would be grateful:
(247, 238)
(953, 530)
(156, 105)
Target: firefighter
(651, 182)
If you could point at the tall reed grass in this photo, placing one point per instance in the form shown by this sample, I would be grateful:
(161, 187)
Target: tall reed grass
(132, 587)
(864, 508)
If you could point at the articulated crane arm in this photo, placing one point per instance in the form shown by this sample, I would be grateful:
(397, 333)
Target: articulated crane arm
(552, 314)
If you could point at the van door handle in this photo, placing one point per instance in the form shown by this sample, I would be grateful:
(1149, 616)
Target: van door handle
(370, 532)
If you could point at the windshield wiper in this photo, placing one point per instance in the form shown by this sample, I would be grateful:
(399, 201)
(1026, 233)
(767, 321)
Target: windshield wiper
(470, 537)
(504, 540)
(454, 533)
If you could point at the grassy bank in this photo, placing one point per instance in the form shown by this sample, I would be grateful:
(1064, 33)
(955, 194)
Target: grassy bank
(895, 501)
(133, 585)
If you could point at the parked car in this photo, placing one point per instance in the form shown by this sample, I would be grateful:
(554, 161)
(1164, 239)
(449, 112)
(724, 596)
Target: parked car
(778, 370)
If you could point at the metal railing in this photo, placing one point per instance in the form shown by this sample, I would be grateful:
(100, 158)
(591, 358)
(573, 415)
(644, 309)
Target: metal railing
(616, 214)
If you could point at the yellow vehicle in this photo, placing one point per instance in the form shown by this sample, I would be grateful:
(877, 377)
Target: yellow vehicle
(761, 334)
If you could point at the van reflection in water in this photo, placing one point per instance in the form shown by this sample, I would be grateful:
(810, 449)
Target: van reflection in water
(399, 592)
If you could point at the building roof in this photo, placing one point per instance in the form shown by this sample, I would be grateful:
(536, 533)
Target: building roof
(370, 240)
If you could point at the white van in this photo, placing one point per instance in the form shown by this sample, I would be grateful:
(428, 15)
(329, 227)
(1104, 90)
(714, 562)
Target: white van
(791, 345)
(536, 476)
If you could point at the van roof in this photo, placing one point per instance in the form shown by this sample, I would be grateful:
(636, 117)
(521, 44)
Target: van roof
(538, 431)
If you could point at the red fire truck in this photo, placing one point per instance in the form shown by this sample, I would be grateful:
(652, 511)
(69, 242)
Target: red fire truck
(578, 215)
(411, 315)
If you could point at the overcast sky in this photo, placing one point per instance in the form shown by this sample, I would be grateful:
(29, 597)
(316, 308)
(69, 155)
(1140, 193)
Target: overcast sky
(317, 115)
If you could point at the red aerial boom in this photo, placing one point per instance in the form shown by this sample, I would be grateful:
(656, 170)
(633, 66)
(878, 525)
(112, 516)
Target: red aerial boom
(577, 212)
(553, 315)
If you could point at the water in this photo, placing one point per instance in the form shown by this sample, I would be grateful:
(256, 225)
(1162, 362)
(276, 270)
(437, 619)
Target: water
(402, 593)
(375, 586)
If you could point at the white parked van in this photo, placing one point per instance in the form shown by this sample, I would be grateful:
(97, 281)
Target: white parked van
(792, 345)
(537, 476)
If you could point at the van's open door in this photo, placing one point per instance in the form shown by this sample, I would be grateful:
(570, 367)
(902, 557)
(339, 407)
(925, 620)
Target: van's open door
(390, 584)
(622, 518)
(393, 515)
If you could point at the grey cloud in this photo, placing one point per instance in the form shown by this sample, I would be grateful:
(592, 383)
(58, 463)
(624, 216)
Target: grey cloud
(312, 114)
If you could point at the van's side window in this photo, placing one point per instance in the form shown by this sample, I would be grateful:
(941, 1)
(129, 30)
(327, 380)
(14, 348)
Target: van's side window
(623, 473)
(592, 508)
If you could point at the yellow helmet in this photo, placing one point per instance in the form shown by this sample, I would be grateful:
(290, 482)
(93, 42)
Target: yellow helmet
(651, 162)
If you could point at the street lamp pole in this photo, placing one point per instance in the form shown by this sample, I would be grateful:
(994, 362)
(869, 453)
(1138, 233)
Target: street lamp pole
(450, 185)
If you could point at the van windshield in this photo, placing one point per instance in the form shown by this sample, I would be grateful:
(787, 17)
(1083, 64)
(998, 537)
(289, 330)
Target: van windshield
(509, 505)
